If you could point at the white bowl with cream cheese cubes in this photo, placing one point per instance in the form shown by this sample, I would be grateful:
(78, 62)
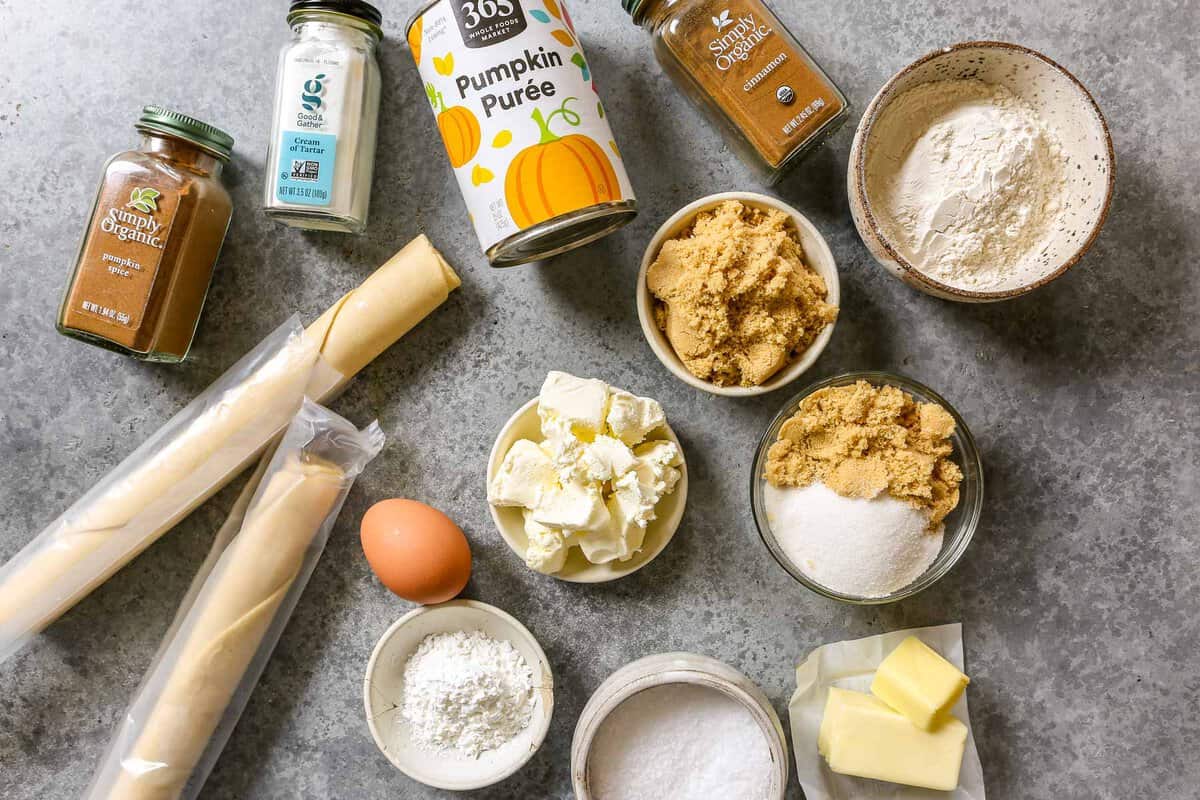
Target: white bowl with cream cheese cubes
(587, 482)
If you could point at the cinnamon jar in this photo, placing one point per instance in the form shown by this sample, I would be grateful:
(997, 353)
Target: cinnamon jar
(738, 63)
(152, 240)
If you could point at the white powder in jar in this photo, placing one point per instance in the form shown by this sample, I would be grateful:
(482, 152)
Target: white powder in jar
(966, 180)
(679, 741)
(868, 548)
(466, 692)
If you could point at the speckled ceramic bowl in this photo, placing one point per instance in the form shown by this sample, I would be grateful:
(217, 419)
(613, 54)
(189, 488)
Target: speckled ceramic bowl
(1065, 105)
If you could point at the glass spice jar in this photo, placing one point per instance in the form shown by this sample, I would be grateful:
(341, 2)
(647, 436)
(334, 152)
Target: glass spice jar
(155, 231)
(738, 63)
(322, 150)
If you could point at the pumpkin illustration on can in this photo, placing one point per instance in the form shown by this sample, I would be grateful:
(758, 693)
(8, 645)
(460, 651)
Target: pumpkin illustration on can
(559, 174)
(459, 129)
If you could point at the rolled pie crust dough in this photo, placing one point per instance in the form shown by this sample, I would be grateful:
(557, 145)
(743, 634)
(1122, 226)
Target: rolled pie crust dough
(348, 336)
(226, 626)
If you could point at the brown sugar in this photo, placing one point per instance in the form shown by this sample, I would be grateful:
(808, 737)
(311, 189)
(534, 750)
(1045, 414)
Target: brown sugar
(735, 298)
(860, 440)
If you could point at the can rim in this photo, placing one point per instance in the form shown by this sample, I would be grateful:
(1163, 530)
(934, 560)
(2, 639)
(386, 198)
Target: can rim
(519, 248)
(420, 12)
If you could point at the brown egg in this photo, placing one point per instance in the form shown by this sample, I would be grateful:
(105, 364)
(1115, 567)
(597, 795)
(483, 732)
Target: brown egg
(416, 551)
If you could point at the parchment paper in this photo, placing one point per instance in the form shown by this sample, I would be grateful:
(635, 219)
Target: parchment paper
(851, 665)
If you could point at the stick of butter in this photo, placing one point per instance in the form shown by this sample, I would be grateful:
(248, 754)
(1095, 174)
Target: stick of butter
(863, 737)
(918, 683)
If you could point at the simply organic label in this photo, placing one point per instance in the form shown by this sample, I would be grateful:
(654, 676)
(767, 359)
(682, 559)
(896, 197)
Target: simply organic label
(517, 111)
(122, 252)
(735, 37)
(313, 97)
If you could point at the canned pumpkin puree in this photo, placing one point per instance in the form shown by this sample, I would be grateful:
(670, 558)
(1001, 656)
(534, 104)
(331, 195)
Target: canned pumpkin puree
(523, 126)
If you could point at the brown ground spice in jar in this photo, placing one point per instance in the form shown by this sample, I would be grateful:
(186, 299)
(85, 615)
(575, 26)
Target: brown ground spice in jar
(738, 63)
(155, 231)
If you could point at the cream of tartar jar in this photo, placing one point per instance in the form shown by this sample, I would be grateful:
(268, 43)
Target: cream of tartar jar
(522, 124)
(665, 669)
(322, 146)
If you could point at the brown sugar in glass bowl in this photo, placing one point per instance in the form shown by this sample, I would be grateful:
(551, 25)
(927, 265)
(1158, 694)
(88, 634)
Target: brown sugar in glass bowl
(152, 240)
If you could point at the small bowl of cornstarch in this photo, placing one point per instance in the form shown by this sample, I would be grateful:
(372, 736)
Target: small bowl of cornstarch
(458, 695)
(682, 726)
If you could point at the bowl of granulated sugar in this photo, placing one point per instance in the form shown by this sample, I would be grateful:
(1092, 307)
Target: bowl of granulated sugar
(678, 725)
(980, 172)
(867, 487)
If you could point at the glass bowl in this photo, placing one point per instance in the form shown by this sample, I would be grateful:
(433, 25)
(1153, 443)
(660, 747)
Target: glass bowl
(959, 525)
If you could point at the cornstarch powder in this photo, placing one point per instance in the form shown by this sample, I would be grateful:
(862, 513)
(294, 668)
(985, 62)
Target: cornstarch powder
(467, 692)
(967, 181)
(679, 742)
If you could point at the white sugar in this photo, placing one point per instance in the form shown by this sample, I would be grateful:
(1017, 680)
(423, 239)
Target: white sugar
(679, 742)
(868, 548)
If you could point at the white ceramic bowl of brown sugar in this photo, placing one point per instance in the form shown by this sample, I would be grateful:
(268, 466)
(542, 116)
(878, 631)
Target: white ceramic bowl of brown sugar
(817, 256)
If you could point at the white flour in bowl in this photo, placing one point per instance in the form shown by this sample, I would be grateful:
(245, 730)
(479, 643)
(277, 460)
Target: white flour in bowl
(867, 548)
(966, 180)
(466, 692)
(679, 741)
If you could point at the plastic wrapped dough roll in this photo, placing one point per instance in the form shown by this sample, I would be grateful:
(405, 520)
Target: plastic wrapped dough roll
(202, 677)
(212, 439)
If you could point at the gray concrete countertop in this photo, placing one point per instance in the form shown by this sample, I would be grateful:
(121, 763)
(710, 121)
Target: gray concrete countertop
(1080, 596)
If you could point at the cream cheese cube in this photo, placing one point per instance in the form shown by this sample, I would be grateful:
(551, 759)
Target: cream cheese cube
(572, 406)
(566, 452)
(630, 418)
(572, 506)
(526, 474)
(547, 549)
(607, 459)
(631, 530)
(638, 492)
(656, 471)
(610, 543)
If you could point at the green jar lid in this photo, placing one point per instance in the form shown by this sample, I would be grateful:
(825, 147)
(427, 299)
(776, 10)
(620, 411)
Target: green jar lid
(201, 134)
(631, 7)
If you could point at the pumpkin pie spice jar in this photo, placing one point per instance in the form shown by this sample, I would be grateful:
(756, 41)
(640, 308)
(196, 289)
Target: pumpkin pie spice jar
(525, 131)
(152, 240)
